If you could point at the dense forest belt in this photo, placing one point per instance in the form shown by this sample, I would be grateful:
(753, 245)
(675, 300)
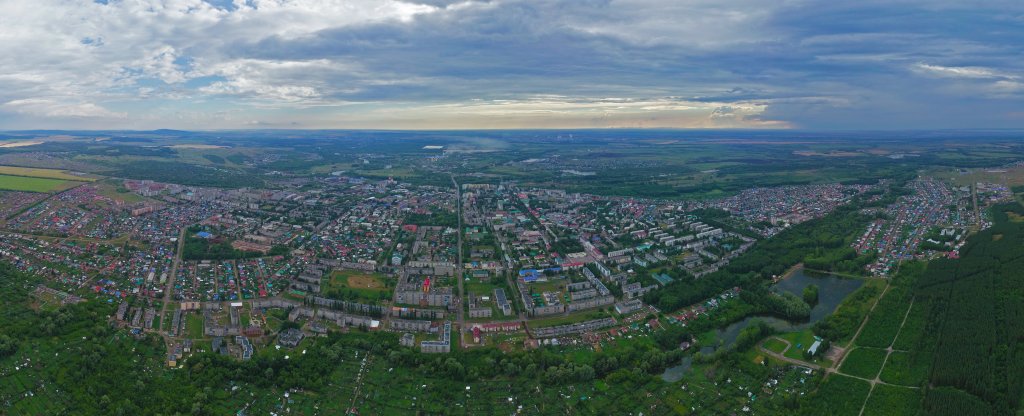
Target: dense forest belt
(977, 308)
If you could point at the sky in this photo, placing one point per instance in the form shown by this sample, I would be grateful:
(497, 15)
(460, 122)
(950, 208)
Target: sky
(506, 64)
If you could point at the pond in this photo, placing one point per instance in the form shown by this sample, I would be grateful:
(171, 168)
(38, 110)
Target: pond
(831, 292)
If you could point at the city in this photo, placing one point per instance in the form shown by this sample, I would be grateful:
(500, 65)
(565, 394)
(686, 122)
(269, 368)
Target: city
(511, 207)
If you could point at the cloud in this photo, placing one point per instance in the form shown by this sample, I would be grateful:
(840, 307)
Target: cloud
(53, 108)
(962, 72)
(511, 63)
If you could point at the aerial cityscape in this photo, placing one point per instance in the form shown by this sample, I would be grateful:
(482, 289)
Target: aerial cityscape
(507, 207)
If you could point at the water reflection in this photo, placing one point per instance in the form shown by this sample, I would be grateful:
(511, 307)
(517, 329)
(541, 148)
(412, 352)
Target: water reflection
(831, 292)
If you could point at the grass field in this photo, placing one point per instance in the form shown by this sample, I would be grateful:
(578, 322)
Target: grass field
(775, 345)
(26, 184)
(568, 319)
(366, 286)
(194, 326)
(42, 173)
(113, 191)
(799, 342)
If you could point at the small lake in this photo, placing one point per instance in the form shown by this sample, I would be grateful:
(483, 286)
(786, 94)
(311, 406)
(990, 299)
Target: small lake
(831, 292)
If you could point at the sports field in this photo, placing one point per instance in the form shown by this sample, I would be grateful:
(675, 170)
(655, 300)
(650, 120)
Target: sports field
(364, 286)
(27, 184)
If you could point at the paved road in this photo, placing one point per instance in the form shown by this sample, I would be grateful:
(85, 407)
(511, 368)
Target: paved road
(458, 266)
(171, 276)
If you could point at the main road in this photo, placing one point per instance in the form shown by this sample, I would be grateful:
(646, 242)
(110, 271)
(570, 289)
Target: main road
(458, 266)
(169, 291)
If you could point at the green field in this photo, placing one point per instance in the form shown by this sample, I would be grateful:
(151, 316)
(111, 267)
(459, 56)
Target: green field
(775, 345)
(43, 173)
(569, 319)
(863, 362)
(358, 285)
(799, 342)
(194, 326)
(26, 184)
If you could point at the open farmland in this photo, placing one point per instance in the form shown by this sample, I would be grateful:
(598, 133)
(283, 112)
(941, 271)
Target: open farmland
(22, 183)
(43, 173)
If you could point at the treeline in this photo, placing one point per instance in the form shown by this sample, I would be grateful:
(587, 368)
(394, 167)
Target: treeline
(438, 218)
(547, 365)
(186, 174)
(218, 248)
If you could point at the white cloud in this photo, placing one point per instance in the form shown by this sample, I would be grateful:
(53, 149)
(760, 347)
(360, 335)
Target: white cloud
(54, 108)
(64, 50)
(962, 71)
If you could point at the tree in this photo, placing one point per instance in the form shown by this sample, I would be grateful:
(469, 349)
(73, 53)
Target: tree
(811, 295)
(7, 345)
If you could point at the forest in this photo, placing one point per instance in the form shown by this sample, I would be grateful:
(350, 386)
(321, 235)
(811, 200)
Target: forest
(976, 307)
(955, 329)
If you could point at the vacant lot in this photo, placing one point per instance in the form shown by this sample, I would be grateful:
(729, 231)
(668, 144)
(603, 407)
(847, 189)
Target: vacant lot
(22, 183)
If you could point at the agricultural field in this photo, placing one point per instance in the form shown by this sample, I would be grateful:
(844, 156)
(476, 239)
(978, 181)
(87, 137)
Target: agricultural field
(43, 173)
(27, 184)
